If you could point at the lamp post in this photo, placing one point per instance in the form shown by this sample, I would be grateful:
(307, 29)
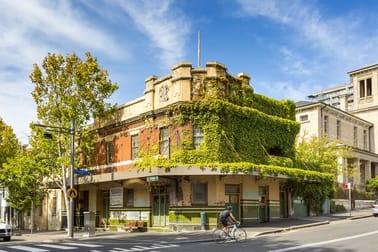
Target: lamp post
(70, 131)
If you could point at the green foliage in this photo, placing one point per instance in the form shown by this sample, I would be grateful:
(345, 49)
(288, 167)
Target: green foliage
(233, 133)
(372, 184)
(320, 154)
(9, 145)
(68, 89)
(22, 176)
(336, 208)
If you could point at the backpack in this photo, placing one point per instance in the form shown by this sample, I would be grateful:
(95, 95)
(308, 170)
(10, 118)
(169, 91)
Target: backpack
(224, 215)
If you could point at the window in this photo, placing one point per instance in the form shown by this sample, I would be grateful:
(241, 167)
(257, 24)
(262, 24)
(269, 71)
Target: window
(325, 124)
(303, 118)
(368, 87)
(365, 87)
(362, 88)
(164, 142)
(53, 207)
(199, 194)
(197, 137)
(365, 140)
(338, 129)
(109, 152)
(355, 136)
(134, 147)
(130, 197)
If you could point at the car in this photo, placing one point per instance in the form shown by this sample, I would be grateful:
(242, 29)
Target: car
(5, 231)
(374, 208)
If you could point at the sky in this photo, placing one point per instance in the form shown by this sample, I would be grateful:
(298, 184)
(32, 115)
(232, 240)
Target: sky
(290, 48)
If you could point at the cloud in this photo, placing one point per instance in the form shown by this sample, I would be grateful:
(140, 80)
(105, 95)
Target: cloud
(165, 26)
(339, 37)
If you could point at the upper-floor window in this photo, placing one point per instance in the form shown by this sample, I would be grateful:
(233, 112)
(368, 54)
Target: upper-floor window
(365, 87)
(109, 152)
(355, 136)
(365, 140)
(303, 118)
(197, 136)
(326, 124)
(134, 147)
(338, 129)
(164, 142)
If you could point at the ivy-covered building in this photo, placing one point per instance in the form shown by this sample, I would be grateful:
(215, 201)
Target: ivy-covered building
(197, 140)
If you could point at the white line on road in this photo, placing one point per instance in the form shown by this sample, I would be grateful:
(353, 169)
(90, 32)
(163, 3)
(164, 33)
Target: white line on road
(325, 242)
(56, 246)
(82, 244)
(30, 249)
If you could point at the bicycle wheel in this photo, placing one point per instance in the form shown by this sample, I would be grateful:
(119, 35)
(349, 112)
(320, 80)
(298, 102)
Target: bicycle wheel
(240, 234)
(219, 235)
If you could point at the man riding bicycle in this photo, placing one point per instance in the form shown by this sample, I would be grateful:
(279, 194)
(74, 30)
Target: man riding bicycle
(226, 218)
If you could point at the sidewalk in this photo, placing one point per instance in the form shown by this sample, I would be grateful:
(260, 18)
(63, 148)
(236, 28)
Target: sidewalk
(255, 230)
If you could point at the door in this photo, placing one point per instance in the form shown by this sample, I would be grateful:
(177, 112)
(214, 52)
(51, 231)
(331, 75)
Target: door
(233, 195)
(160, 206)
(263, 203)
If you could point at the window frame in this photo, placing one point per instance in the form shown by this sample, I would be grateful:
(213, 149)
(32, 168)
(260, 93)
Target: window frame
(109, 152)
(164, 141)
(198, 136)
(199, 197)
(134, 146)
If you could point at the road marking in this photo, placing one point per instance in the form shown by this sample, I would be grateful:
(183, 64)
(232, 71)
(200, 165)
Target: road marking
(143, 248)
(56, 246)
(325, 242)
(82, 244)
(25, 248)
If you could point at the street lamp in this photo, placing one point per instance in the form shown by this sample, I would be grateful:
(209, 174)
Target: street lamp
(70, 131)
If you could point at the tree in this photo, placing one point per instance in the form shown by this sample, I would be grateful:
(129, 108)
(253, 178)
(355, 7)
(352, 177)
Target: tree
(9, 144)
(66, 89)
(21, 175)
(322, 155)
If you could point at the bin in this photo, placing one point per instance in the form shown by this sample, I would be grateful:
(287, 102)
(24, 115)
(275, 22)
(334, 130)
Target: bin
(203, 220)
(89, 224)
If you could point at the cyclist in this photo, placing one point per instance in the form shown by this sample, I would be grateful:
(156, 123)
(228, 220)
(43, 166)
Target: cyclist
(226, 218)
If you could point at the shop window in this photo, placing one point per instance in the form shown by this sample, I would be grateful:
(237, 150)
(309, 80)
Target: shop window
(199, 193)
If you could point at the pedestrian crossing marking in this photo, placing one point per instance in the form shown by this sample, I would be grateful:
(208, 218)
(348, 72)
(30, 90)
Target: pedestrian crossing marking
(56, 246)
(143, 248)
(30, 249)
(82, 244)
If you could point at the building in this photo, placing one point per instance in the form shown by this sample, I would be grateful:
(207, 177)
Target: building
(348, 113)
(199, 139)
(322, 120)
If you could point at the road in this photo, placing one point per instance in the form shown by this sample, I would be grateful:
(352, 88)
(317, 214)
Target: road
(346, 236)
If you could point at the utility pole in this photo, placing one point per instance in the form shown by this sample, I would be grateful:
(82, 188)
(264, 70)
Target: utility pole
(72, 182)
(71, 131)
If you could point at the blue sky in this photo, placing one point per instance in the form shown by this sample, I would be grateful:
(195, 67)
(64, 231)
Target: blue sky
(290, 48)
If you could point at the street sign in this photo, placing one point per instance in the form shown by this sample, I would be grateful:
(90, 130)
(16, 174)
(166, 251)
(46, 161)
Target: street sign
(82, 172)
(152, 178)
(347, 186)
(72, 193)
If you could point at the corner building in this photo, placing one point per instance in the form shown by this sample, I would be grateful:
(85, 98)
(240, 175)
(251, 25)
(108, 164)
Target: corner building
(199, 139)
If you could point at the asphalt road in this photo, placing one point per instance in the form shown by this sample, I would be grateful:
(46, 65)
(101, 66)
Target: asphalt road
(346, 235)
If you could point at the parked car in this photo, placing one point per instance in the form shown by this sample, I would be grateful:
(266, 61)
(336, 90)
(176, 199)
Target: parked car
(374, 207)
(5, 231)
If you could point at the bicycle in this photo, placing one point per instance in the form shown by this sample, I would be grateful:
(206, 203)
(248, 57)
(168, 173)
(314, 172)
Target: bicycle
(236, 233)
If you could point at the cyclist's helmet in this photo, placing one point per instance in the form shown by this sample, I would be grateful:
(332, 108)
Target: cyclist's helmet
(229, 208)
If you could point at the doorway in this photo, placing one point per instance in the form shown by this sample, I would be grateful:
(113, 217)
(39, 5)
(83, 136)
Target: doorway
(233, 196)
(263, 203)
(160, 206)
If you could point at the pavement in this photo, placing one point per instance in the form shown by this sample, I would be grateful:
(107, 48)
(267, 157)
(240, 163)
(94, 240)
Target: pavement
(255, 230)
